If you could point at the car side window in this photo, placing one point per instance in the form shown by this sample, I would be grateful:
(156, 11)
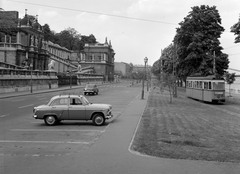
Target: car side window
(75, 101)
(59, 101)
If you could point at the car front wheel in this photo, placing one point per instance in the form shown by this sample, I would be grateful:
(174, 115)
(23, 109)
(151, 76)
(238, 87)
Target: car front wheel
(50, 120)
(98, 120)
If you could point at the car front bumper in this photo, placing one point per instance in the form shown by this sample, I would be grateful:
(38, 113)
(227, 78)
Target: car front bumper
(35, 116)
(109, 115)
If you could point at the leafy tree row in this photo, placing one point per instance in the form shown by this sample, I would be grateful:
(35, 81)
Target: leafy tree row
(68, 38)
(196, 47)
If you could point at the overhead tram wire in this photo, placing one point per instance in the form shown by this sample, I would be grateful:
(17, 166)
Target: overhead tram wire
(98, 13)
(112, 15)
(232, 46)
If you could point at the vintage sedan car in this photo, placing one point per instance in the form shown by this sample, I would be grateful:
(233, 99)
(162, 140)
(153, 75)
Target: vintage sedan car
(90, 89)
(72, 107)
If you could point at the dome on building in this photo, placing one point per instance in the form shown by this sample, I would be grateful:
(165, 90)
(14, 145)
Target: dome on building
(37, 26)
(25, 21)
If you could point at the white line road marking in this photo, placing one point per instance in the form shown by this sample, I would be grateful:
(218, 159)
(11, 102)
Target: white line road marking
(4, 115)
(18, 100)
(25, 106)
(56, 130)
(56, 142)
(42, 98)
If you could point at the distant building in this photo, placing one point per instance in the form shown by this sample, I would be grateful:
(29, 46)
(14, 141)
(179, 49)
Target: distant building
(122, 68)
(138, 68)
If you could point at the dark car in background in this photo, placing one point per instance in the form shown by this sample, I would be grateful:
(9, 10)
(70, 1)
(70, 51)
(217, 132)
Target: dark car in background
(91, 89)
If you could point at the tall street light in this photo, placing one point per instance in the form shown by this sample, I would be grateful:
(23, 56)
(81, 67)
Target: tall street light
(147, 77)
(144, 77)
(70, 73)
(31, 66)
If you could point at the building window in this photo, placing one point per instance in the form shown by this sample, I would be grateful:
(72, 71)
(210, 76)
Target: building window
(90, 58)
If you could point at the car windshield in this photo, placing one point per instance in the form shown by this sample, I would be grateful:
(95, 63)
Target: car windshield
(47, 103)
(85, 101)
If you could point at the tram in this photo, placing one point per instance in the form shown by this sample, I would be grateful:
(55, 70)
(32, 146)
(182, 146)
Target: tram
(208, 88)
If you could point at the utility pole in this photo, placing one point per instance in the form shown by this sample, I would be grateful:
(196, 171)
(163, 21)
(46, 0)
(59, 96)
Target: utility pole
(160, 69)
(174, 72)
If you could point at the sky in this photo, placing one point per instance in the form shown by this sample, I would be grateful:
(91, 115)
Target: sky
(136, 28)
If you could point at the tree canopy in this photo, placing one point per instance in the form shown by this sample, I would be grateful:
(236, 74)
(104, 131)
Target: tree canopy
(197, 41)
(236, 30)
(68, 38)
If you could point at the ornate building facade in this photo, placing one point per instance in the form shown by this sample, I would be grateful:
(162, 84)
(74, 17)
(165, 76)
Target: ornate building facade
(22, 44)
(100, 56)
(24, 52)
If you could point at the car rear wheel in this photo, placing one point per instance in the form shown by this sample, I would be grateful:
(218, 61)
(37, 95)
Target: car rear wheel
(98, 120)
(50, 120)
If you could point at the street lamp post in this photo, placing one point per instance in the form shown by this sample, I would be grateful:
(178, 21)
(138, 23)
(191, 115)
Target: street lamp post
(31, 66)
(147, 78)
(70, 73)
(144, 77)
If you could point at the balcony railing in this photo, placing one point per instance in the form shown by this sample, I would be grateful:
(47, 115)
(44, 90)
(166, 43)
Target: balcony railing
(18, 72)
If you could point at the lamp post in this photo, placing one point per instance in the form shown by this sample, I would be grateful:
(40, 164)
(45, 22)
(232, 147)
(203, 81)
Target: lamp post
(70, 74)
(31, 66)
(147, 78)
(144, 76)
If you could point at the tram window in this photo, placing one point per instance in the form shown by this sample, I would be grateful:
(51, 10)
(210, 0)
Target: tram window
(205, 85)
(191, 84)
(210, 86)
(200, 83)
(219, 85)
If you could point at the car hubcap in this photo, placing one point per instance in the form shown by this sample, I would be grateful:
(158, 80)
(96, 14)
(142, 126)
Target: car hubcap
(50, 120)
(99, 120)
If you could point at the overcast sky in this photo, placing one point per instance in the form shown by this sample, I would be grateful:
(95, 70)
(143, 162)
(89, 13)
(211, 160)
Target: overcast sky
(136, 28)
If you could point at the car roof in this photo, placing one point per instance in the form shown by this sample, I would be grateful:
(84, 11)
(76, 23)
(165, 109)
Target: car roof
(66, 96)
(91, 84)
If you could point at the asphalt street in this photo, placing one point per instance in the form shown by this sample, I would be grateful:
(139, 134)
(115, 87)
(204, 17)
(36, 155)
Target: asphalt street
(109, 152)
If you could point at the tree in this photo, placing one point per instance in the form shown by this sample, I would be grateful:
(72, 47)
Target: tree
(85, 39)
(197, 41)
(156, 68)
(68, 38)
(8, 22)
(230, 78)
(47, 32)
(164, 69)
(236, 30)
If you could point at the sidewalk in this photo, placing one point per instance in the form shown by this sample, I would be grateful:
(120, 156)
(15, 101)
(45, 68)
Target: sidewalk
(22, 93)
